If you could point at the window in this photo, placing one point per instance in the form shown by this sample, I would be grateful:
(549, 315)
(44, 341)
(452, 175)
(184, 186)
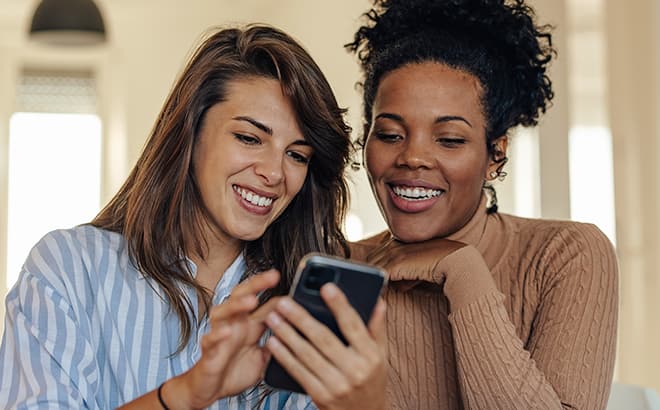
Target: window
(54, 160)
(592, 178)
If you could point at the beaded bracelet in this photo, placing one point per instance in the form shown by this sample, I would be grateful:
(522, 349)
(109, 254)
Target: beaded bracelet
(160, 397)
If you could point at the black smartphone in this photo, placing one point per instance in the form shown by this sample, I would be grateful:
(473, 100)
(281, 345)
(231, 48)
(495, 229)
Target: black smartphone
(361, 283)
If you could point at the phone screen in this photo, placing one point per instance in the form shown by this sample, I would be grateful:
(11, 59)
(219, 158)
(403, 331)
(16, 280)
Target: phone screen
(361, 283)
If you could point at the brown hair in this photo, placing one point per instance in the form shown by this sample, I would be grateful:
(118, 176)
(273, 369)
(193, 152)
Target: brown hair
(159, 210)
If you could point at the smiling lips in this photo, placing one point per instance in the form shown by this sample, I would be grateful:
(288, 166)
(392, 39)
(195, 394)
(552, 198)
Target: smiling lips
(253, 202)
(413, 198)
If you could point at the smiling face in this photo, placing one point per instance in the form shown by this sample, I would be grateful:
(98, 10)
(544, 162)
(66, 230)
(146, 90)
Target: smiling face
(250, 160)
(426, 151)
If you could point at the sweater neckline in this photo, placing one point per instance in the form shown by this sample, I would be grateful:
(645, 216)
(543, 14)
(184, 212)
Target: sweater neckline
(473, 231)
(484, 232)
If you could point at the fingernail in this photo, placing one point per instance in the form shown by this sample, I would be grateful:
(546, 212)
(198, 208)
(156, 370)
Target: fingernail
(273, 343)
(330, 289)
(273, 319)
(284, 305)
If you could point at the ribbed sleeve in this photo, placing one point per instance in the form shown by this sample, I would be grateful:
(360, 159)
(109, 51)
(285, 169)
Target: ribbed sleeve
(467, 278)
(568, 358)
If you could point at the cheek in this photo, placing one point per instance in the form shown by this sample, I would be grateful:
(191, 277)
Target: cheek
(295, 180)
(376, 160)
(294, 183)
(467, 173)
(201, 173)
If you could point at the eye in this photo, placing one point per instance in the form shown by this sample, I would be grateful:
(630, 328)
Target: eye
(298, 157)
(388, 137)
(451, 142)
(247, 139)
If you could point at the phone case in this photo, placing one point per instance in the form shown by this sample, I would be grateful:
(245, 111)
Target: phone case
(361, 283)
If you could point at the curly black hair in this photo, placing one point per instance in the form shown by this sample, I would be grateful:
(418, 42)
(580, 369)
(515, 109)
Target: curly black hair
(497, 41)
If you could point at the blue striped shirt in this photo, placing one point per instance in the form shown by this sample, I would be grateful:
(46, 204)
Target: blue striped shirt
(85, 329)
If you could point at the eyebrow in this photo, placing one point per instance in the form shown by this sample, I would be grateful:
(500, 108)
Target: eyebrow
(441, 119)
(265, 128)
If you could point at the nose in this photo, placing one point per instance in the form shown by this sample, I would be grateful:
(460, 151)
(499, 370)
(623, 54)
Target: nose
(271, 168)
(415, 154)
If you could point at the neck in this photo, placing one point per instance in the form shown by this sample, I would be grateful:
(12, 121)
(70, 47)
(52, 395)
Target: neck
(213, 264)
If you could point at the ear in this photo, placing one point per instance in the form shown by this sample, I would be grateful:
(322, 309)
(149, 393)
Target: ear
(497, 157)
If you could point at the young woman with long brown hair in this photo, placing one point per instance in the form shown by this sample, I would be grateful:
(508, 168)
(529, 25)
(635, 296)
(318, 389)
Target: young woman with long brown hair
(243, 172)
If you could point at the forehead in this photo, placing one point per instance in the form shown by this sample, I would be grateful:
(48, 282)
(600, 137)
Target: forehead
(262, 99)
(256, 92)
(429, 88)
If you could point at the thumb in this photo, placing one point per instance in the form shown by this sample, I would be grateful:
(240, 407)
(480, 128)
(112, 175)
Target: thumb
(377, 326)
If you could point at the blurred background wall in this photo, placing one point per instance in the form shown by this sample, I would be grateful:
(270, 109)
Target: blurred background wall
(593, 158)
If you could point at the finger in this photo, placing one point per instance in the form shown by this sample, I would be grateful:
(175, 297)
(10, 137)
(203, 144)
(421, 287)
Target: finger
(314, 387)
(380, 252)
(257, 283)
(217, 346)
(316, 332)
(262, 311)
(304, 352)
(377, 323)
(346, 365)
(368, 349)
(215, 336)
(377, 256)
(350, 323)
(344, 362)
(233, 307)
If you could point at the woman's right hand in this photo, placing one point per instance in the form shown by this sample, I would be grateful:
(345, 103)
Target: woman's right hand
(418, 261)
(231, 359)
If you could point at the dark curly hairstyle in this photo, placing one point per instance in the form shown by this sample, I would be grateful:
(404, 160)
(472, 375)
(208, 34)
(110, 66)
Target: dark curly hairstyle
(497, 41)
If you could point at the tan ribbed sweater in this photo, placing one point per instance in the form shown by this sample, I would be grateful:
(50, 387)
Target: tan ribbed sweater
(526, 319)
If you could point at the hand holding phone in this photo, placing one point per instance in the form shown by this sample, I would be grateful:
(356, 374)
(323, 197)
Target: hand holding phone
(360, 283)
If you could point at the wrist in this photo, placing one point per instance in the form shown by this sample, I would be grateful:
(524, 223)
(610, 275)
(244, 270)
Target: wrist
(159, 393)
(174, 394)
(468, 278)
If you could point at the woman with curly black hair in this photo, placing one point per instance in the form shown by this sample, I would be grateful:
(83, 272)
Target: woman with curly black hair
(485, 310)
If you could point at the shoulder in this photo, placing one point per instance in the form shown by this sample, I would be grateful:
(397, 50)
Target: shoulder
(62, 248)
(565, 249)
(559, 233)
(69, 260)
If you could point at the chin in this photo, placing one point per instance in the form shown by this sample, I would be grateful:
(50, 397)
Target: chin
(411, 239)
(407, 231)
(249, 236)
(409, 236)
(412, 229)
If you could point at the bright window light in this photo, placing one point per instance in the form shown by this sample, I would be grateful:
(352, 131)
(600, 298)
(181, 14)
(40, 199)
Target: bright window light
(592, 178)
(525, 168)
(54, 178)
(354, 228)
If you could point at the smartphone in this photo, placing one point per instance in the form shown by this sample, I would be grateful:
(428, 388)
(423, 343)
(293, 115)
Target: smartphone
(361, 283)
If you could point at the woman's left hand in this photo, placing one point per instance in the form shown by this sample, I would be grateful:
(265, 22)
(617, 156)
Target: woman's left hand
(334, 375)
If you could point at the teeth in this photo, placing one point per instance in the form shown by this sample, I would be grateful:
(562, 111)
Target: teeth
(253, 198)
(416, 193)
